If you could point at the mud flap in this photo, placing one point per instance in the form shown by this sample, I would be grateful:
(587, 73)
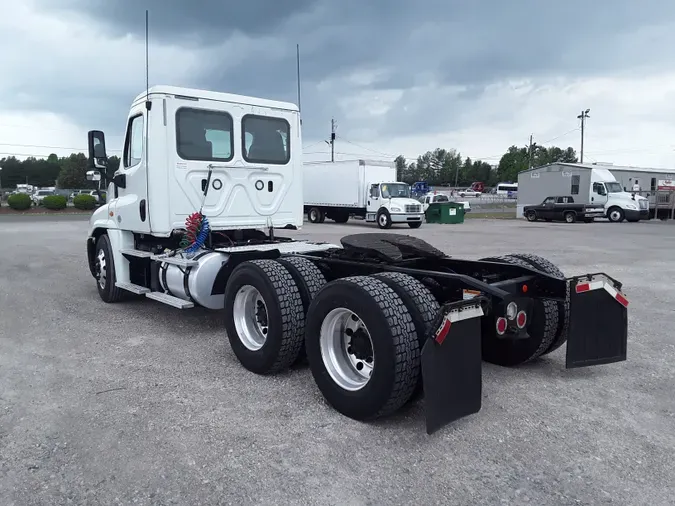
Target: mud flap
(452, 364)
(598, 327)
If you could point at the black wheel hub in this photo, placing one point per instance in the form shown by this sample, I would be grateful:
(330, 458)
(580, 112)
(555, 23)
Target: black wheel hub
(261, 314)
(359, 346)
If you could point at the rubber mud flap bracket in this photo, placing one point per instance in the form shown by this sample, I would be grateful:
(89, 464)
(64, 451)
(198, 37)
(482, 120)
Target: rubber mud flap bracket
(452, 364)
(598, 327)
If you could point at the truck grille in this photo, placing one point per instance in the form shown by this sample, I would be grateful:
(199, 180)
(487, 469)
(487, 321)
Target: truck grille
(413, 208)
(644, 204)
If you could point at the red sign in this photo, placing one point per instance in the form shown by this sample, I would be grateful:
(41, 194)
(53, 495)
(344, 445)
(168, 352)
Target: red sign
(666, 185)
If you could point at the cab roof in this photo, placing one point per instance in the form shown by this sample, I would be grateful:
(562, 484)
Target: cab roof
(215, 96)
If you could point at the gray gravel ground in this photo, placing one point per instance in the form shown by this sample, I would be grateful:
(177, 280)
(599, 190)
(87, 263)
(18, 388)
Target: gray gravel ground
(138, 403)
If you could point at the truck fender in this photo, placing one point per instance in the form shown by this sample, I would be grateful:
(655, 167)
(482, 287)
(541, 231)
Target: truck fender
(119, 240)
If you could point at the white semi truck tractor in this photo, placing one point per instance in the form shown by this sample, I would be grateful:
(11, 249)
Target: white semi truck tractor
(196, 214)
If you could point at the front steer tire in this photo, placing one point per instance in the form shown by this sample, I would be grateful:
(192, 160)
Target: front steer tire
(283, 313)
(396, 353)
(104, 271)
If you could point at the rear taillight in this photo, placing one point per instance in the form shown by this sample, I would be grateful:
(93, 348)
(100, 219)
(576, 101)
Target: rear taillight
(501, 325)
(521, 319)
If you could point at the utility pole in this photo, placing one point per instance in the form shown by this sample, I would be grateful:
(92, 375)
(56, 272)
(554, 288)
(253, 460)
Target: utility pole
(333, 127)
(583, 116)
(529, 156)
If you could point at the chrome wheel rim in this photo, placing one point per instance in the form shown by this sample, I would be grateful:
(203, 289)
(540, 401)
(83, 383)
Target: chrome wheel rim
(383, 220)
(615, 215)
(347, 349)
(101, 269)
(250, 317)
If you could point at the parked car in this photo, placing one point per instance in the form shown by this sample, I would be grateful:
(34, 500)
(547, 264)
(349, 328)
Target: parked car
(562, 208)
(39, 195)
(468, 192)
(440, 197)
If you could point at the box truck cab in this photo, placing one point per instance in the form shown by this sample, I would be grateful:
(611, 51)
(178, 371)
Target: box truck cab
(605, 190)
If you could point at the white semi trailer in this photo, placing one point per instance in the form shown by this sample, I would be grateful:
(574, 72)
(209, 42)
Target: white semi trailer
(364, 188)
(195, 216)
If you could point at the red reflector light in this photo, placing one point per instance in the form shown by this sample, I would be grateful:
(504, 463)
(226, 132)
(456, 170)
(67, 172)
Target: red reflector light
(501, 325)
(524, 288)
(621, 300)
(442, 332)
(583, 287)
(521, 319)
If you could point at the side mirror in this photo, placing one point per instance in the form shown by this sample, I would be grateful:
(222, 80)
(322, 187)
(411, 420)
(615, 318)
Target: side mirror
(93, 175)
(97, 155)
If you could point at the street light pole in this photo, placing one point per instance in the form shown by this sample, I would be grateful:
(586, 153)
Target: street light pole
(583, 116)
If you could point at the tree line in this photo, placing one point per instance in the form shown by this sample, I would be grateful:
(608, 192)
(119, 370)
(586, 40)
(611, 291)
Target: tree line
(448, 168)
(63, 172)
(438, 167)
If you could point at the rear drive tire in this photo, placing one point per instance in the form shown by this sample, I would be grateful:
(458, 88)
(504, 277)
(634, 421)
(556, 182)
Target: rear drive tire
(315, 215)
(531, 216)
(570, 217)
(415, 224)
(353, 320)
(309, 280)
(542, 327)
(549, 268)
(264, 316)
(104, 268)
(421, 304)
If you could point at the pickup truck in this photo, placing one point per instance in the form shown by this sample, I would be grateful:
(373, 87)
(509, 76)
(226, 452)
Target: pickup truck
(562, 208)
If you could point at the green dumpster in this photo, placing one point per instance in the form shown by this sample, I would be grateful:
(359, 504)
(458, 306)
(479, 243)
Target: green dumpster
(445, 212)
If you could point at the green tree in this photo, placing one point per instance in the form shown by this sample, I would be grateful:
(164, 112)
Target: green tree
(401, 167)
(74, 172)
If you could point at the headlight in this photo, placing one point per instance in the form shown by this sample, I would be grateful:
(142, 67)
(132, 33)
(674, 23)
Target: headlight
(631, 206)
(396, 209)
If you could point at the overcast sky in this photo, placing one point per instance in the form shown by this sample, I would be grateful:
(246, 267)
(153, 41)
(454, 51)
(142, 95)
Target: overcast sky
(399, 76)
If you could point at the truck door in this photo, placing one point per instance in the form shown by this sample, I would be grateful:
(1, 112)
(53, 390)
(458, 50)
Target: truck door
(373, 199)
(548, 209)
(598, 194)
(130, 202)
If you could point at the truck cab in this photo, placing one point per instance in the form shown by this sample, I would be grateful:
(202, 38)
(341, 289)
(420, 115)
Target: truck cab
(606, 191)
(390, 203)
(238, 159)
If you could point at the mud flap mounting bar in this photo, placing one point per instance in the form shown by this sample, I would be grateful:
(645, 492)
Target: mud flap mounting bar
(598, 327)
(452, 363)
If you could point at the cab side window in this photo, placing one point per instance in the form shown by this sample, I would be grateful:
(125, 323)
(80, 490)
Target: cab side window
(133, 143)
(374, 191)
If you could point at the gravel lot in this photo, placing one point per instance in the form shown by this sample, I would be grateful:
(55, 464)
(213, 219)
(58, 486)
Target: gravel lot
(138, 403)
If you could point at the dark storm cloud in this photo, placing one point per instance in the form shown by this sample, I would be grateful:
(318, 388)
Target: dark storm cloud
(448, 42)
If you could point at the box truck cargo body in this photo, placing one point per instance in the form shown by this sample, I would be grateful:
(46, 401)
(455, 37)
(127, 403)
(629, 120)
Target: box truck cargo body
(360, 188)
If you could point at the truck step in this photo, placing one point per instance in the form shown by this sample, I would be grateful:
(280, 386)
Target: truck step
(130, 287)
(136, 253)
(170, 300)
(182, 262)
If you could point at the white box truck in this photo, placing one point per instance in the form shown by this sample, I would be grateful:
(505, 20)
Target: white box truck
(363, 188)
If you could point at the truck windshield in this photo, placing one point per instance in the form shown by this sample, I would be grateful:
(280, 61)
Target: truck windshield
(395, 190)
(613, 187)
